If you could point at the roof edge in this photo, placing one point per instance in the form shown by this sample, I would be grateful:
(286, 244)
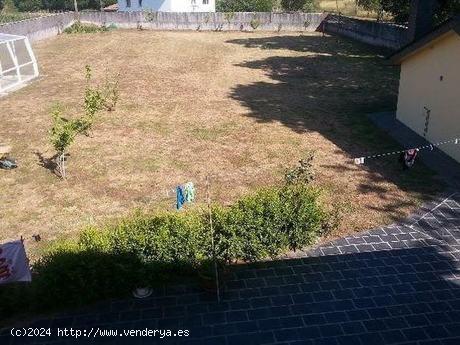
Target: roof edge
(452, 24)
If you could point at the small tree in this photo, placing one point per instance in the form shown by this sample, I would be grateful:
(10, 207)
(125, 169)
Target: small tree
(244, 5)
(94, 102)
(61, 136)
(110, 91)
(303, 173)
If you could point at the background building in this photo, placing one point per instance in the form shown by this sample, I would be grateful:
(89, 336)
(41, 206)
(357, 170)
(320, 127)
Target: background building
(167, 5)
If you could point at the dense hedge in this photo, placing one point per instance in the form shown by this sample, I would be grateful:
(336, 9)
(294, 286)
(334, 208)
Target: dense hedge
(230, 6)
(151, 249)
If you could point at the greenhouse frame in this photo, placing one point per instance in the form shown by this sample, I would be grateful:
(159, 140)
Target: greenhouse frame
(18, 64)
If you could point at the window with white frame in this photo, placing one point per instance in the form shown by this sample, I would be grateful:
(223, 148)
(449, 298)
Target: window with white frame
(128, 3)
(205, 2)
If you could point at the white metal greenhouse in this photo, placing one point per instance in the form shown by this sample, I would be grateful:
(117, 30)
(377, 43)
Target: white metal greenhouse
(17, 62)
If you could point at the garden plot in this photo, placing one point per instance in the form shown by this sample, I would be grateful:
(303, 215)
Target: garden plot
(238, 107)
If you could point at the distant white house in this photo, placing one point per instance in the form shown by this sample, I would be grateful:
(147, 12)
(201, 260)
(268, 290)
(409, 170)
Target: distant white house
(167, 5)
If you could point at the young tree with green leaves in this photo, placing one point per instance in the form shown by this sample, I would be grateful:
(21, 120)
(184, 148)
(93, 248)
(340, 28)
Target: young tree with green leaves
(61, 136)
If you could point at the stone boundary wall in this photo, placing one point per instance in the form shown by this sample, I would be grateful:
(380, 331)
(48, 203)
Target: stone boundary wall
(51, 25)
(385, 35)
(240, 21)
(41, 27)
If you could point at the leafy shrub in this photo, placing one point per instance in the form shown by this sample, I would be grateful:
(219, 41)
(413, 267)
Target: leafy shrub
(244, 5)
(151, 249)
(303, 173)
(93, 103)
(110, 91)
(255, 23)
(62, 133)
(299, 5)
(61, 136)
(80, 28)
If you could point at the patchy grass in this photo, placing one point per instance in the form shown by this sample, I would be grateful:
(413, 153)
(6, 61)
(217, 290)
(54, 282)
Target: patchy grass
(196, 104)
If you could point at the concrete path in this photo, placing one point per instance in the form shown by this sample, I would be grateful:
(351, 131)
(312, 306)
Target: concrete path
(393, 285)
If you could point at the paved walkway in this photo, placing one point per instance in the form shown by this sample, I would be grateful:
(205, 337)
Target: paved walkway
(393, 285)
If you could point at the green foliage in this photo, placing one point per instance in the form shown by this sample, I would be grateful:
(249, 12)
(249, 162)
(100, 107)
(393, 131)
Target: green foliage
(244, 5)
(110, 91)
(150, 16)
(62, 133)
(303, 173)
(254, 23)
(93, 103)
(80, 28)
(66, 5)
(152, 249)
(8, 6)
(28, 5)
(400, 9)
(15, 17)
(299, 5)
(229, 16)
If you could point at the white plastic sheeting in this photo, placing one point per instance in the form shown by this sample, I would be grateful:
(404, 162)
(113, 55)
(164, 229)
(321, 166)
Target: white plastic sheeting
(18, 64)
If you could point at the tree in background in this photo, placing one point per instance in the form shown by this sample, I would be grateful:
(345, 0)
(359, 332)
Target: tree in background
(244, 5)
(299, 5)
(399, 9)
(53, 5)
(29, 5)
(8, 6)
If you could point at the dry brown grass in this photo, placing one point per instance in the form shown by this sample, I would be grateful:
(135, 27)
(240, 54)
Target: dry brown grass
(238, 106)
(347, 7)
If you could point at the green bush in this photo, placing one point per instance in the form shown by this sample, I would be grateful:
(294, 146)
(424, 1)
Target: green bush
(80, 28)
(244, 5)
(150, 249)
(299, 5)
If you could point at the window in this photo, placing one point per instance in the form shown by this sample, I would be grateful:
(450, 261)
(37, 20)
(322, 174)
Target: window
(140, 3)
(128, 3)
(205, 2)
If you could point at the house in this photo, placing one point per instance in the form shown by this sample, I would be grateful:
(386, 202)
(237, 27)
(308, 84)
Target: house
(167, 5)
(429, 90)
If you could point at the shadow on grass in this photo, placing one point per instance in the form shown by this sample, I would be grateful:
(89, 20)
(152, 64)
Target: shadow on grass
(47, 163)
(330, 89)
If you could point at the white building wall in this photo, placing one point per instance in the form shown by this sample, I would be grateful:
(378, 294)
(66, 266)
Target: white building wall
(167, 5)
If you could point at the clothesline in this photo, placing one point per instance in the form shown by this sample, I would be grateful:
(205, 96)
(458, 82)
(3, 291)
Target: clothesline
(360, 160)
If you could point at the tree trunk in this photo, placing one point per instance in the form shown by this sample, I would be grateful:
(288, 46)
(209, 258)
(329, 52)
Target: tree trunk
(75, 5)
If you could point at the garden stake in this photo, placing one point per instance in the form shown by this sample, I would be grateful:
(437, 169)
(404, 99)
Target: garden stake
(208, 197)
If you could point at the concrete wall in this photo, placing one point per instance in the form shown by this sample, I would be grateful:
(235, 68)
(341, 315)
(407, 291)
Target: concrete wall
(168, 5)
(384, 35)
(39, 28)
(207, 21)
(52, 25)
(430, 78)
